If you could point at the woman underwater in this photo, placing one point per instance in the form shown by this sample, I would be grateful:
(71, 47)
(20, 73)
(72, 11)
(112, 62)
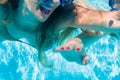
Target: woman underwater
(23, 23)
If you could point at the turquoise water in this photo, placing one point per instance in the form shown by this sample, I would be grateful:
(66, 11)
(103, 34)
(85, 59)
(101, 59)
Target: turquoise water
(18, 61)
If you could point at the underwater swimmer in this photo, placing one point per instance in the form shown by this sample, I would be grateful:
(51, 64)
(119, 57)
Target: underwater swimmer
(44, 35)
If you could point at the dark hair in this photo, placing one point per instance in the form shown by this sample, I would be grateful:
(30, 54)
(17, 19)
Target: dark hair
(14, 4)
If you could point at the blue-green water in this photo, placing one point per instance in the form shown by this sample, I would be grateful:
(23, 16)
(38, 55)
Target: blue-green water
(18, 61)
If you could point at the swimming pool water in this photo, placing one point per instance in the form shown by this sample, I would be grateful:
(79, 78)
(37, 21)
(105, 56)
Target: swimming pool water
(18, 61)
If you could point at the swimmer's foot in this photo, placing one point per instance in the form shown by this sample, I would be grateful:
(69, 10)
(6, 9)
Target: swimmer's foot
(71, 44)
